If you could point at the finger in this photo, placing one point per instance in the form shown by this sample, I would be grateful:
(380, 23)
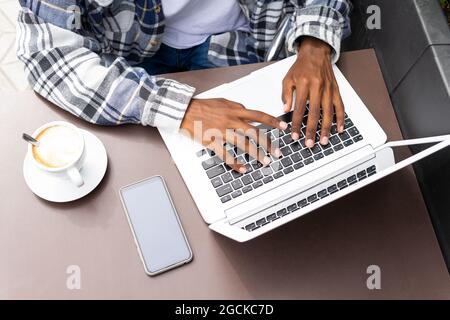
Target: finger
(299, 111)
(227, 157)
(250, 147)
(327, 115)
(339, 108)
(313, 117)
(262, 117)
(287, 94)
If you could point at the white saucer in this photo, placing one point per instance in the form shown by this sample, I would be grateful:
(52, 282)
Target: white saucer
(61, 189)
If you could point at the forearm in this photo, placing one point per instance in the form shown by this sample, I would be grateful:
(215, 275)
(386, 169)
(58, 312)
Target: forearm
(61, 68)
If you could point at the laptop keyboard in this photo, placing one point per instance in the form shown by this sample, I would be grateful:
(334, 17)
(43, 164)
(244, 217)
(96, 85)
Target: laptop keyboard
(295, 155)
(361, 175)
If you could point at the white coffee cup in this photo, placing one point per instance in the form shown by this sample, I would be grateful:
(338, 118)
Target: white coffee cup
(61, 158)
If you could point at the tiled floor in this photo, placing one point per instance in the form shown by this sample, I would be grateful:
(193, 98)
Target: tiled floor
(11, 70)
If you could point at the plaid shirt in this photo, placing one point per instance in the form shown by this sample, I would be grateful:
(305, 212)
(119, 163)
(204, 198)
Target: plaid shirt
(82, 55)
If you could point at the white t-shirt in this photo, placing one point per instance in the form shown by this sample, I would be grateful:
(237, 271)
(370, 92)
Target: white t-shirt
(191, 22)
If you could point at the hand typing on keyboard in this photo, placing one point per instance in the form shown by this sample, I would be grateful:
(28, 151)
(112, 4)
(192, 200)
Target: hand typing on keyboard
(214, 122)
(312, 78)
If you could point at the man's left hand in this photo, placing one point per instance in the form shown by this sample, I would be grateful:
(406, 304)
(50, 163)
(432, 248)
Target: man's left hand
(312, 78)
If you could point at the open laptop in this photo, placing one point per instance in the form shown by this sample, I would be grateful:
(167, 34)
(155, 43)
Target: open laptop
(245, 206)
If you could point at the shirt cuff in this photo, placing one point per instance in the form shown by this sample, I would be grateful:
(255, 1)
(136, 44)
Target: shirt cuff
(312, 22)
(167, 106)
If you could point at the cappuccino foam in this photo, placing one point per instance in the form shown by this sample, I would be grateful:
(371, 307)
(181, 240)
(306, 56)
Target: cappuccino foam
(58, 146)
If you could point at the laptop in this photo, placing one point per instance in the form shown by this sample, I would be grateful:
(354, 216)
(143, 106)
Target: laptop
(245, 206)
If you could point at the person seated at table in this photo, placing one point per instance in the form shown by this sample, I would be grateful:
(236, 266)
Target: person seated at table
(101, 60)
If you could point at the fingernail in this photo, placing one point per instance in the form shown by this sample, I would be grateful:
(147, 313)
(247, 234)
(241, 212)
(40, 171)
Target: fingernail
(277, 152)
(341, 129)
(242, 169)
(283, 125)
(266, 160)
(324, 140)
(309, 143)
(295, 136)
(285, 108)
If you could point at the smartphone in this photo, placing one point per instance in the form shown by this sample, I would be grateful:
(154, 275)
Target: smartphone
(156, 227)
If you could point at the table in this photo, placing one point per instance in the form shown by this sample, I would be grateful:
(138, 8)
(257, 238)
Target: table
(324, 254)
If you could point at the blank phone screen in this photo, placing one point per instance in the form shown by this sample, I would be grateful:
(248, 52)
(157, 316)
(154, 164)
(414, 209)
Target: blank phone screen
(156, 227)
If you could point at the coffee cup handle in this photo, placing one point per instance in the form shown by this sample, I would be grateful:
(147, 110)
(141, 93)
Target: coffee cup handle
(75, 176)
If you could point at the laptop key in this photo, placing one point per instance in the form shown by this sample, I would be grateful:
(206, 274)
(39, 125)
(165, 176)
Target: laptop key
(287, 139)
(286, 162)
(358, 138)
(227, 177)
(286, 151)
(236, 174)
(237, 184)
(225, 199)
(211, 162)
(247, 179)
(281, 212)
(257, 175)
(266, 171)
(313, 198)
(257, 184)
(316, 149)
(214, 172)
(236, 194)
(292, 207)
(302, 203)
(348, 143)
(361, 174)
(296, 146)
(296, 157)
(288, 170)
(328, 152)
(344, 136)
(216, 182)
(332, 189)
(308, 161)
(267, 179)
(261, 222)
(371, 169)
(247, 189)
(271, 217)
(298, 165)
(348, 123)
(256, 165)
(250, 226)
(277, 166)
(338, 147)
(334, 140)
(278, 175)
(224, 190)
(306, 153)
(318, 156)
(322, 193)
(352, 180)
(342, 184)
(353, 131)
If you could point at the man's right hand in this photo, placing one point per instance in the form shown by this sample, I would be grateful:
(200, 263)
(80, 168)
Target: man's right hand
(223, 121)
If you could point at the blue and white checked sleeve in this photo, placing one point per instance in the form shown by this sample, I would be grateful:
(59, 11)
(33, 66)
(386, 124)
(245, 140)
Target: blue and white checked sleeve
(69, 70)
(327, 20)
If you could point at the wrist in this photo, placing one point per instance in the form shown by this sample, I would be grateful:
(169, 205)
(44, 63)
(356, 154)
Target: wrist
(311, 45)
